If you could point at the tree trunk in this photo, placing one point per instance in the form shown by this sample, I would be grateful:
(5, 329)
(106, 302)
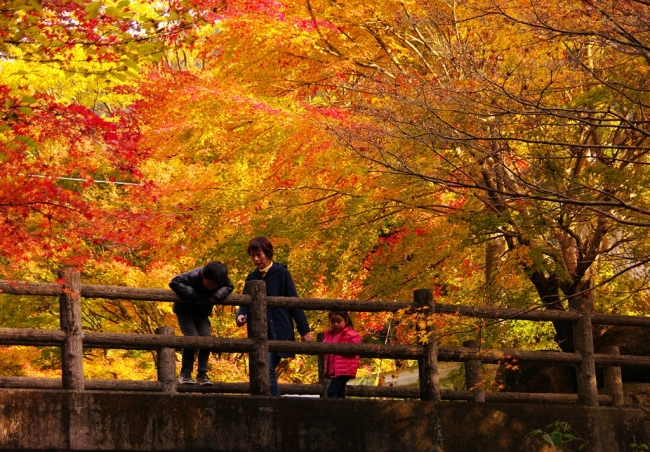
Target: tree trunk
(548, 288)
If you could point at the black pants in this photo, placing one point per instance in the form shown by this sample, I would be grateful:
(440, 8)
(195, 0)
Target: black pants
(336, 389)
(194, 326)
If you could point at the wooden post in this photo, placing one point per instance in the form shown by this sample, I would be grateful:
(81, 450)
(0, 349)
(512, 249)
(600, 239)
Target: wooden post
(258, 331)
(72, 373)
(474, 374)
(167, 363)
(428, 364)
(324, 382)
(613, 379)
(584, 345)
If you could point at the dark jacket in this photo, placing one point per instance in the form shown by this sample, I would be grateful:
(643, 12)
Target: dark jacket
(279, 284)
(195, 298)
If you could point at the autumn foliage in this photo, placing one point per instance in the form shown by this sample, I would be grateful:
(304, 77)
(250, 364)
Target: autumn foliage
(494, 151)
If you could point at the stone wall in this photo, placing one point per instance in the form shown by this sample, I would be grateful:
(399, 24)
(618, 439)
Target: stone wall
(59, 420)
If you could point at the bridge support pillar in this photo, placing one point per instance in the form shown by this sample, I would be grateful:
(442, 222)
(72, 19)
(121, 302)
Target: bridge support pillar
(474, 374)
(584, 345)
(258, 359)
(167, 363)
(613, 378)
(428, 364)
(324, 382)
(72, 372)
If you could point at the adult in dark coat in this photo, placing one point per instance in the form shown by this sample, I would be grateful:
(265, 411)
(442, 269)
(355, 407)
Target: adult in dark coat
(199, 290)
(280, 320)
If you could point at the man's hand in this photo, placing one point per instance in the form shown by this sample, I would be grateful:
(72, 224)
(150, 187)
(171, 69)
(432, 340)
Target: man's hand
(241, 320)
(309, 337)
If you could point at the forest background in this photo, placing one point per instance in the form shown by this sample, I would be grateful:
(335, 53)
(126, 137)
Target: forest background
(494, 151)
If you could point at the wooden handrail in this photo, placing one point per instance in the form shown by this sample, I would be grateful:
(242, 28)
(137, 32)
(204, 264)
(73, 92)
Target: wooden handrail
(320, 304)
(133, 341)
(299, 389)
(71, 339)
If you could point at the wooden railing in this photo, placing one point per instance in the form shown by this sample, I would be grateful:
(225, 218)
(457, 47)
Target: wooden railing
(72, 340)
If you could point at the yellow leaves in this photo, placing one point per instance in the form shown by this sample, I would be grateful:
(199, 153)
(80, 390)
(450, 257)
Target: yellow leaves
(522, 254)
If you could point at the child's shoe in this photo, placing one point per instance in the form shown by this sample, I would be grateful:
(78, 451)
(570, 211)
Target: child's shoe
(203, 379)
(186, 380)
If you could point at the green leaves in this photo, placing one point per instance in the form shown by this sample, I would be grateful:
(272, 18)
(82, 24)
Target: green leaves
(29, 142)
(93, 9)
(558, 434)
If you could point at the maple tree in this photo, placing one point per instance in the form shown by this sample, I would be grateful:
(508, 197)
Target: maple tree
(523, 121)
(71, 192)
(493, 151)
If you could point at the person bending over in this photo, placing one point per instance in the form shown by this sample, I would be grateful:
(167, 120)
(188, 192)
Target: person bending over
(199, 290)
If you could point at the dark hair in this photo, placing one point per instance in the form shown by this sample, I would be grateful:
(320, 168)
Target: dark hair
(344, 314)
(260, 243)
(216, 272)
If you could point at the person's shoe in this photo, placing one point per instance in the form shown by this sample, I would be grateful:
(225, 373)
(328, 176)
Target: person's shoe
(203, 380)
(186, 380)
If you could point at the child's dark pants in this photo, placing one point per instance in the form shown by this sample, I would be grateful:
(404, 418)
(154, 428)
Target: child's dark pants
(336, 389)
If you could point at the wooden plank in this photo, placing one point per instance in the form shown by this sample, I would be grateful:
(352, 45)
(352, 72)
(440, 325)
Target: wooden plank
(462, 354)
(133, 341)
(216, 388)
(30, 336)
(30, 288)
(147, 294)
(30, 383)
(72, 347)
(124, 385)
(454, 354)
(258, 333)
(623, 320)
(507, 313)
(332, 304)
(603, 360)
(368, 350)
(127, 293)
(383, 391)
(56, 383)
(322, 304)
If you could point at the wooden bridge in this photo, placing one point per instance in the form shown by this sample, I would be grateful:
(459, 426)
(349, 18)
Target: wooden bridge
(602, 428)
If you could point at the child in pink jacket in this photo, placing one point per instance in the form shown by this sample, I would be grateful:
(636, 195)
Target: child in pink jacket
(340, 368)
